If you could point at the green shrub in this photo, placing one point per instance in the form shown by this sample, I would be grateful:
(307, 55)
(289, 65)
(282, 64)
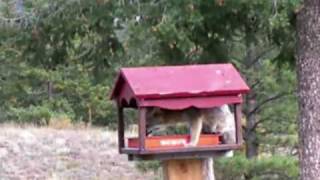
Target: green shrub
(38, 115)
(55, 110)
(266, 168)
(241, 168)
(145, 166)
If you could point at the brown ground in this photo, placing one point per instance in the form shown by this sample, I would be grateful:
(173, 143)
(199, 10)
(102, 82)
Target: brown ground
(44, 153)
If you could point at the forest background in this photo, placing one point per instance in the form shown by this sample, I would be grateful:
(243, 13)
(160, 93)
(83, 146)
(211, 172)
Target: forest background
(59, 60)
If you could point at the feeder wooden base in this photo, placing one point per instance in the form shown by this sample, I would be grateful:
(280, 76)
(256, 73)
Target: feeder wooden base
(183, 169)
(187, 169)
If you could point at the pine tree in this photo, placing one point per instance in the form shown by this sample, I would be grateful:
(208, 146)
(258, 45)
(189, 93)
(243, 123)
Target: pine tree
(308, 70)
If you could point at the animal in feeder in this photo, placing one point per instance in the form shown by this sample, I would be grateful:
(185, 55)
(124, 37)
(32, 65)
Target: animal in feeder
(221, 120)
(159, 119)
(211, 120)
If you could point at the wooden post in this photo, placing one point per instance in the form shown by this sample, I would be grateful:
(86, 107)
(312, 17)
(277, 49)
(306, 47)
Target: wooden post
(142, 128)
(120, 127)
(187, 169)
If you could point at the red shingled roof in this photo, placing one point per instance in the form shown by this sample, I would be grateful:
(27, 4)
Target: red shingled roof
(165, 82)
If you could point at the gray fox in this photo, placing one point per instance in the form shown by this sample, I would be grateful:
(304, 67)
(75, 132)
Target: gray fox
(215, 120)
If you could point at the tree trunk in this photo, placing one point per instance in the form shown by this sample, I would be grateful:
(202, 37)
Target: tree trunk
(89, 117)
(252, 144)
(308, 71)
(250, 132)
(19, 7)
(49, 89)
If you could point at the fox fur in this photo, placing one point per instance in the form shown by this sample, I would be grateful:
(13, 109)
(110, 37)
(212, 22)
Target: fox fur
(213, 120)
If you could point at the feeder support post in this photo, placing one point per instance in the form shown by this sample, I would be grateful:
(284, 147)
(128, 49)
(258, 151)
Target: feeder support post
(120, 127)
(142, 128)
(188, 169)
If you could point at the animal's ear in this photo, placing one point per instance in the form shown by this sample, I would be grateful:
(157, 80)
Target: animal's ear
(154, 110)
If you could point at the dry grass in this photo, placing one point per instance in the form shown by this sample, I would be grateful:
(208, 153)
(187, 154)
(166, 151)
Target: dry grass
(62, 122)
(57, 153)
(67, 125)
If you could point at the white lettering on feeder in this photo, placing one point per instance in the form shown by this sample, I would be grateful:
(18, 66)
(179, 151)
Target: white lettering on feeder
(173, 142)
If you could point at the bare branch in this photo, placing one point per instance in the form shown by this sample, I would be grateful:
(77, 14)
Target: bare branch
(264, 102)
(244, 128)
(261, 55)
(257, 123)
(258, 82)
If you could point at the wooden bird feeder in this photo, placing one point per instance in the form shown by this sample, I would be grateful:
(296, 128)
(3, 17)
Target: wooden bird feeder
(176, 88)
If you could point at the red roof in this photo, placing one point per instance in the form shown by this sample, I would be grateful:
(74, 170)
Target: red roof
(178, 81)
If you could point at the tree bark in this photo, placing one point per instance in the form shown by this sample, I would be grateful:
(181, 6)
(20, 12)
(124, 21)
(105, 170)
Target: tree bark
(308, 72)
(49, 89)
(250, 134)
(19, 7)
(89, 117)
(252, 144)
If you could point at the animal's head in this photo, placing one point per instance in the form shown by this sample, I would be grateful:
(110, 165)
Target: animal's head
(154, 118)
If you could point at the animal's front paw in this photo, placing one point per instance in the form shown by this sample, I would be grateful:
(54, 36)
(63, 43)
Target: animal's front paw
(228, 154)
(228, 137)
